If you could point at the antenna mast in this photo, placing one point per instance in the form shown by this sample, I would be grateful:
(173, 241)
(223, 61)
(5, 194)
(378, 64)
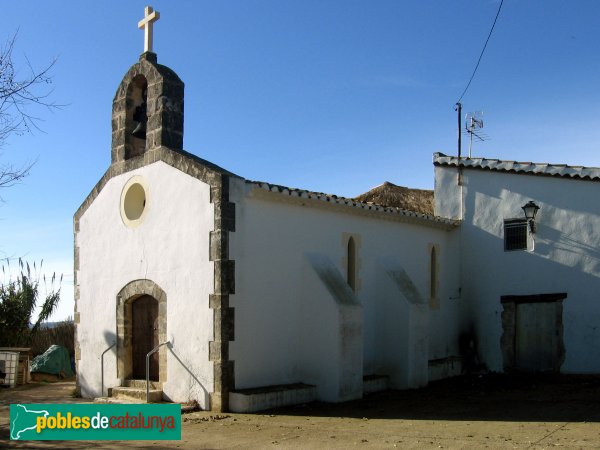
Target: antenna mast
(458, 107)
(474, 123)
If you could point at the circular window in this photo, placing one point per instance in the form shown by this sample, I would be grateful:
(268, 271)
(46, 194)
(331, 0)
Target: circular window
(133, 201)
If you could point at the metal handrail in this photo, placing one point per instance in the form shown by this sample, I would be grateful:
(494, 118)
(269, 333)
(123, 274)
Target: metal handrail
(102, 369)
(148, 368)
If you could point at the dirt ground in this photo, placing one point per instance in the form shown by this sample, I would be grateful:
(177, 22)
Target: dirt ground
(490, 411)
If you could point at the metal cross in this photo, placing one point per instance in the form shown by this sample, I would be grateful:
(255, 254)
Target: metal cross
(146, 23)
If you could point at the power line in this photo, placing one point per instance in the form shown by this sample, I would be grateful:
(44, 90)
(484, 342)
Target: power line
(482, 51)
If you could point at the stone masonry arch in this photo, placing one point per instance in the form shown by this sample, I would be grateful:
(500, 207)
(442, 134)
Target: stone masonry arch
(130, 292)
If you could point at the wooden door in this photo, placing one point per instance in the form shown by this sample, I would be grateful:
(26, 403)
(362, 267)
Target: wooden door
(144, 325)
(536, 340)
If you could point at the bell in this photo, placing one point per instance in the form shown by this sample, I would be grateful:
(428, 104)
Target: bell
(140, 117)
(139, 131)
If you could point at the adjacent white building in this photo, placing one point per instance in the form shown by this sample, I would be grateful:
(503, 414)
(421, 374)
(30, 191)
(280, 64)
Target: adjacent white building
(258, 295)
(531, 298)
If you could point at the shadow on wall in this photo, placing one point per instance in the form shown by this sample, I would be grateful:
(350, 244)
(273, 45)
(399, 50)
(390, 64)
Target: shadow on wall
(578, 236)
(516, 270)
(110, 338)
(193, 380)
(84, 388)
(110, 348)
(469, 352)
(553, 240)
(576, 247)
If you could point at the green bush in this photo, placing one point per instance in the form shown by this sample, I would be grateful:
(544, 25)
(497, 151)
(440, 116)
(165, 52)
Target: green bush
(18, 300)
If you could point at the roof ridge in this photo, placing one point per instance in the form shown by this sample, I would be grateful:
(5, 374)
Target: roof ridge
(336, 199)
(520, 167)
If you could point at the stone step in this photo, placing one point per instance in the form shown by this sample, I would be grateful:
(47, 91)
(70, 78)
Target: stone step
(125, 392)
(118, 401)
(141, 384)
(375, 383)
(258, 399)
(185, 407)
(450, 366)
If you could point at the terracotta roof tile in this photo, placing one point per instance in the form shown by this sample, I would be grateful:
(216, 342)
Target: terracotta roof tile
(556, 170)
(349, 202)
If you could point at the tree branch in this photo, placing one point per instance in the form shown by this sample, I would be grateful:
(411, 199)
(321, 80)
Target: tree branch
(18, 94)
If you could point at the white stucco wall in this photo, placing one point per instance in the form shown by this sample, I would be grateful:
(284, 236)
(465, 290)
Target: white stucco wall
(171, 248)
(566, 257)
(331, 336)
(277, 298)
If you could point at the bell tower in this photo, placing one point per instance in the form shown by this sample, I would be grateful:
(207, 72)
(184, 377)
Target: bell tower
(147, 109)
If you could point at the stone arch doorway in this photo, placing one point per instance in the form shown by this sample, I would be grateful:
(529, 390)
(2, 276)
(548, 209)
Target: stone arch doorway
(141, 326)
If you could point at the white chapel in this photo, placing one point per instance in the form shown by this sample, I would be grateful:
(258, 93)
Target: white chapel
(244, 295)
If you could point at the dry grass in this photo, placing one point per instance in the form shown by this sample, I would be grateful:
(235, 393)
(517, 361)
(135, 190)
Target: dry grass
(62, 334)
(389, 194)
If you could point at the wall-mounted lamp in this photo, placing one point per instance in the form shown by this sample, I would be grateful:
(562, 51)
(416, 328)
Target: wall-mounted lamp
(531, 210)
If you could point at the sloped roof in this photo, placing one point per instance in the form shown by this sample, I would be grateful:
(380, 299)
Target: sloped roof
(355, 204)
(389, 194)
(527, 168)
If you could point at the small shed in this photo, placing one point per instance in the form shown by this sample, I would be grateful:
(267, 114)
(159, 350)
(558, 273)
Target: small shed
(14, 366)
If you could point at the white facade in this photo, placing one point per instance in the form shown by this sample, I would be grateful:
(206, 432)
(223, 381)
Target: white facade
(254, 285)
(565, 257)
(297, 320)
(170, 248)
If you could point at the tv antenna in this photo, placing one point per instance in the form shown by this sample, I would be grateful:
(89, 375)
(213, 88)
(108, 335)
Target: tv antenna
(473, 126)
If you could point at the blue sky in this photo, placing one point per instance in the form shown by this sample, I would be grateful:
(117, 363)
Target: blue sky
(327, 95)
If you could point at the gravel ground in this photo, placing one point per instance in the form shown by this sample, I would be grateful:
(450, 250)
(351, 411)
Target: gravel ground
(488, 411)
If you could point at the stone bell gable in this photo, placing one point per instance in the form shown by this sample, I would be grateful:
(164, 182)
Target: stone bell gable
(151, 95)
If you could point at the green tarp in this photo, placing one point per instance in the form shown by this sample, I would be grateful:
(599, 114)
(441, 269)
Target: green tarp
(55, 361)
